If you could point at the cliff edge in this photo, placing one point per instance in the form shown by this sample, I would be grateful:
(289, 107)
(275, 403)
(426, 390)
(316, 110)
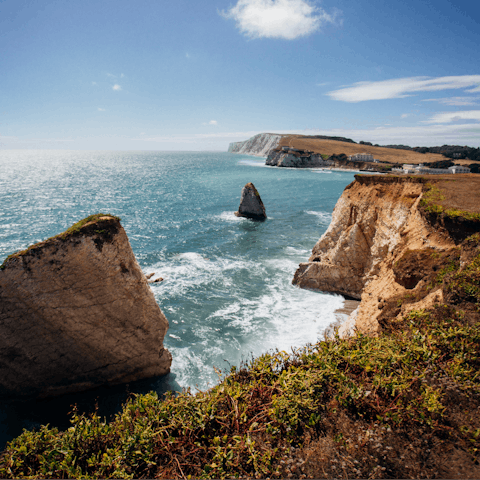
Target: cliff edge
(76, 312)
(259, 146)
(377, 223)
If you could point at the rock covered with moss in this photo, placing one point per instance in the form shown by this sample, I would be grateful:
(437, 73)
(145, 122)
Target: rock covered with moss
(251, 205)
(76, 312)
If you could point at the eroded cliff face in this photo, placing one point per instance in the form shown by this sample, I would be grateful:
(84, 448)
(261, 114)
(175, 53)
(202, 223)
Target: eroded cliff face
(259, 146)
(76, 312)
(296, 159)
(375, 221)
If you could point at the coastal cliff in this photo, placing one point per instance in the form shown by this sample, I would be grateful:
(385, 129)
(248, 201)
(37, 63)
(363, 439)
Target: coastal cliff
(76, 312)
(376, 224)
(259, 146)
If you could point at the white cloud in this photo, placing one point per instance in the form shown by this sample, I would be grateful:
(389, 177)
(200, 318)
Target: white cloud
(101, 109)
(288, 19)
(402, 87)
(211, 122)
(404, 115)
(117, 87)
(455, 101)
(447, 117)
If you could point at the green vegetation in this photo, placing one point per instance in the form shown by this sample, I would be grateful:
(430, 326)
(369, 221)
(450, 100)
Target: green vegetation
(249, 424)
(430, 200)
(465, 284)
(74, 229)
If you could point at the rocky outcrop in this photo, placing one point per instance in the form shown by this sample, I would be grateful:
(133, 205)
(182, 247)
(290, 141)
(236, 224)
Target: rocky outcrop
(296, 158)
(259, 146)
(76, 312)
(251, 205)
(375, 221)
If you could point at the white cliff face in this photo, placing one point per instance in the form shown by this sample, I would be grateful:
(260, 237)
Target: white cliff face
(77, 312)
(259, 145)
(374, 222)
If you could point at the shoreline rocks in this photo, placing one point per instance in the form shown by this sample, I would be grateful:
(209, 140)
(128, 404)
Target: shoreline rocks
(76, 312)
(251, 205)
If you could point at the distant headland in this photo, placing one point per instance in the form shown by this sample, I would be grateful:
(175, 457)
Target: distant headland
(313, 151)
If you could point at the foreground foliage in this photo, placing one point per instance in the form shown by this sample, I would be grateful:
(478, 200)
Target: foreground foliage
(259, 418)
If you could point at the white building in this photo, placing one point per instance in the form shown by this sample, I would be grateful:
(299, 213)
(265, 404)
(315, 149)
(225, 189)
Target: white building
(420, 169)
(363, 157)
(459, 169)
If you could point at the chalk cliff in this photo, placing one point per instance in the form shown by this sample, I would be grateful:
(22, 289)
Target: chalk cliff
(375, 221)
(76, 312)
(259, 146)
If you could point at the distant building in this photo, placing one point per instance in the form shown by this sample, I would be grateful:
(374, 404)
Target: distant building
(362, 157)
(420, 169)
(459, 169)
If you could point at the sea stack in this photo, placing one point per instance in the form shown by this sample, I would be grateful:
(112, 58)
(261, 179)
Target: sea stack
(251, 205)
(76, 312)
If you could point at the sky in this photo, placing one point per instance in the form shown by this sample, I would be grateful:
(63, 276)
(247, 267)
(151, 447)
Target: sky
(195, 76)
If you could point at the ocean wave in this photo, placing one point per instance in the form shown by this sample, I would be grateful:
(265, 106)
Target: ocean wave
(324, 217)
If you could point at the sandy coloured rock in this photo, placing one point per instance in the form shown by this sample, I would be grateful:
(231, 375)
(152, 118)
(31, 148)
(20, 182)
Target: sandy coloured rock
(76, 312)
(251, 205)
(375, 221)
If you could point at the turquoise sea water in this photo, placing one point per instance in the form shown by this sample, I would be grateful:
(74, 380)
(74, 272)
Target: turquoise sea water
(227, 289)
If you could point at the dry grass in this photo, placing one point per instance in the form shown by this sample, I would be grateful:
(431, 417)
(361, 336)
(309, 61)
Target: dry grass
(331, 147)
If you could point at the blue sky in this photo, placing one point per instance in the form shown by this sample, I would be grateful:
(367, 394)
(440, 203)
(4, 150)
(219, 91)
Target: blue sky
(189, 75)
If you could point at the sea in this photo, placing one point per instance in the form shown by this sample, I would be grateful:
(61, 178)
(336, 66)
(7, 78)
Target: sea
(227, 290)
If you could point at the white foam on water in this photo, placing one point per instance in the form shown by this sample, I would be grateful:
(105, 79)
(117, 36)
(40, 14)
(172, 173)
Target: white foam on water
(253, 163)
(297, 251)
(284, 317)
(229, 217)
(188, 269)
(324, 217)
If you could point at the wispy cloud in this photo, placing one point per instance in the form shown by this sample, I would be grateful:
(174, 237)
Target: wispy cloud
(117, 87)
(455, 101)
(101, 109)
(211, 122)
(403, 87)
(448, 117)
(94, 83)
(187, 55)
(417, 135)
(404, 115)
(287, 19)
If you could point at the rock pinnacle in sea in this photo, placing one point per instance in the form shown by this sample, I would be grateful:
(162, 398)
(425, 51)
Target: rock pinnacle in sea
(251, 205)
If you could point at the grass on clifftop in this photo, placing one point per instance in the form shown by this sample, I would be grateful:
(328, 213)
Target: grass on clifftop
(74, 229)
(436, 196)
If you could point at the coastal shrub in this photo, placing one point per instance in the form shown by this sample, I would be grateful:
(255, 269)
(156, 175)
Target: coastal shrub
(261, 413)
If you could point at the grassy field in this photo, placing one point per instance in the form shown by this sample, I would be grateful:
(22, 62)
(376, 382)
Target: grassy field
(331, 147)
